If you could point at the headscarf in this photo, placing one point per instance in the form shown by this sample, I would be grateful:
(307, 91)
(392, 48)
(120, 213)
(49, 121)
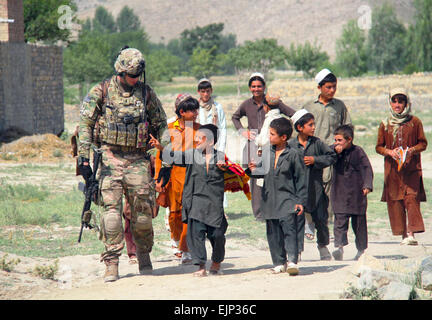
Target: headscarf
(397, 119)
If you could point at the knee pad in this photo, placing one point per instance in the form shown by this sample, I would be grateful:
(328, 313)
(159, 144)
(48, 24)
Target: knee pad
(112, 225)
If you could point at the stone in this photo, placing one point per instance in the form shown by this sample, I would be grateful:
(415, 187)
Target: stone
(396, 291)
(370, 278)
(367, 261)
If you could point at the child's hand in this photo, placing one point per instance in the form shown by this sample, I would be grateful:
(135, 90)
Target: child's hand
(393, 153)
(158, 186)
(366, 191)
(299, 209)
(155, 143)
(222, 165)
(338, 148)
(309, 160)
(252, 166)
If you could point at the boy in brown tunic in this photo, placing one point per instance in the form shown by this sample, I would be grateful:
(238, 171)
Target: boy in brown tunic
(403, 189)
(352, 181)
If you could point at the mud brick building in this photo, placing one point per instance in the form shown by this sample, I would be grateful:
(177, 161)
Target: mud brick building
(31, 78)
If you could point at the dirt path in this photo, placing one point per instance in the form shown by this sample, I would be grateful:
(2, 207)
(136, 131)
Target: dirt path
(246, 276)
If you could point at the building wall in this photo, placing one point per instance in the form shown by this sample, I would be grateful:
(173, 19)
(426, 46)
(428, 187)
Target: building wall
(12, 32)
(31, 88)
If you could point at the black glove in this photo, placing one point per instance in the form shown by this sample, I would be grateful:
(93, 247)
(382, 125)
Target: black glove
(85, 170)
(165, 174)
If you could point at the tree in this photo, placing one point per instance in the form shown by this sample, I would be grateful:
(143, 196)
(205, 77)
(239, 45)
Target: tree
(386, 47)
(161, 65)
(202, 63)
(351, 51)
(207, 37)
(103, 21)
(86, 61)
(127, 20)
(307, 58)
(41, 20)
(91, 58)
(419, 36)
(259, 55)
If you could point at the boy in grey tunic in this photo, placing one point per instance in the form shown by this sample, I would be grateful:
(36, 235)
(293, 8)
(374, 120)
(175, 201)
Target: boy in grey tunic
(316, 156)
(203, 195)
(284, 195)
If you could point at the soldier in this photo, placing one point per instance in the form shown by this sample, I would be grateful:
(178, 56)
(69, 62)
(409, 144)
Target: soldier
(127, 114)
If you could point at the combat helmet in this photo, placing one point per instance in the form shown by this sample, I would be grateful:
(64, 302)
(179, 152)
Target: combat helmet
(129, 61)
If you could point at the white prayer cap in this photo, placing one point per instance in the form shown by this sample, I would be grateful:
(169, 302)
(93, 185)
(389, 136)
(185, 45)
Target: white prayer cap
(297, 115)
(321, 75)
(204, 80)
(257, 74)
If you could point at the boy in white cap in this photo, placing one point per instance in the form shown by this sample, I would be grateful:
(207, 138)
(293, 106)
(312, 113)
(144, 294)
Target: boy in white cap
(329, 113)
(316, 155)
(253, 110)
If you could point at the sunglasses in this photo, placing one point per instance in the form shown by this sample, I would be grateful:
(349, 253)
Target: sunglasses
(134, 75)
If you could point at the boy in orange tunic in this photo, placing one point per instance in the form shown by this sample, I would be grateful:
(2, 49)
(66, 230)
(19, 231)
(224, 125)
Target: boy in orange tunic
(182, 132)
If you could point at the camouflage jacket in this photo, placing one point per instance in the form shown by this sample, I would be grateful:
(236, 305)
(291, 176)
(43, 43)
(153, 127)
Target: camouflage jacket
(93, 110)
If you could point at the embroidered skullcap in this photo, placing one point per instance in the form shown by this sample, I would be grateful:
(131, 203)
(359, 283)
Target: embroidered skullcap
(297, 115)
(180, 98)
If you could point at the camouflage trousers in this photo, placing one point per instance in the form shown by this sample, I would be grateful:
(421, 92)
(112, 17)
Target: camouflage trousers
(129, 174)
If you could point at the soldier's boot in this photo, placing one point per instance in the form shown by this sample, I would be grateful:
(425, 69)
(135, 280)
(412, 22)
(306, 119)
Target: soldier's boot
(144, 262)
(111, 271)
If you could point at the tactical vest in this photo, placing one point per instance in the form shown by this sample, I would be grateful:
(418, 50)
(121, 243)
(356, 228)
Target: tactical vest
(124, 118)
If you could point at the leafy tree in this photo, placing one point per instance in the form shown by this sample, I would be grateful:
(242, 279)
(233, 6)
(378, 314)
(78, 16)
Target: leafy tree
(202, 63)
(127, 20)
(351, 51)
(91, 58)
(386, 47)
(307, 58)
(86, 61)
(103, 21)
(41, 20)
(161, 65)
(419, 36)
(175, 48)
(205, 37)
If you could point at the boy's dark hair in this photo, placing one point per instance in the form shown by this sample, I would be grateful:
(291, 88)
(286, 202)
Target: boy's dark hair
(282, 126)
(204, 85)
(255, 79)
(303, 120)
(213, 129)
(345, 130)
(400, 97)
(329, 78)
(189, 104)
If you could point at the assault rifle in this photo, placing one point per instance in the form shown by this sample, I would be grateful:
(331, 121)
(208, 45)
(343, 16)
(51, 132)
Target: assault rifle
(91, 191)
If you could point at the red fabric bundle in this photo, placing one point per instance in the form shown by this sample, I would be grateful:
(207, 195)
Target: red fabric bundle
(235, 179)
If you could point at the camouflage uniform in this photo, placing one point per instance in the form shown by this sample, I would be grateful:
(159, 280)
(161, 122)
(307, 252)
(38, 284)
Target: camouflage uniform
(125, 168)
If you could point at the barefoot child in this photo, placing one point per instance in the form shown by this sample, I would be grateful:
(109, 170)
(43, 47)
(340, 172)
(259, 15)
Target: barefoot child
(203, 194)
(353, 180)
(283, 196)
(316, 156)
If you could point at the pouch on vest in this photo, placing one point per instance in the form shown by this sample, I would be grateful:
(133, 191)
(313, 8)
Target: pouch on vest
(111, 133)
(121, 134)
(142, 129)
(131, 135)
